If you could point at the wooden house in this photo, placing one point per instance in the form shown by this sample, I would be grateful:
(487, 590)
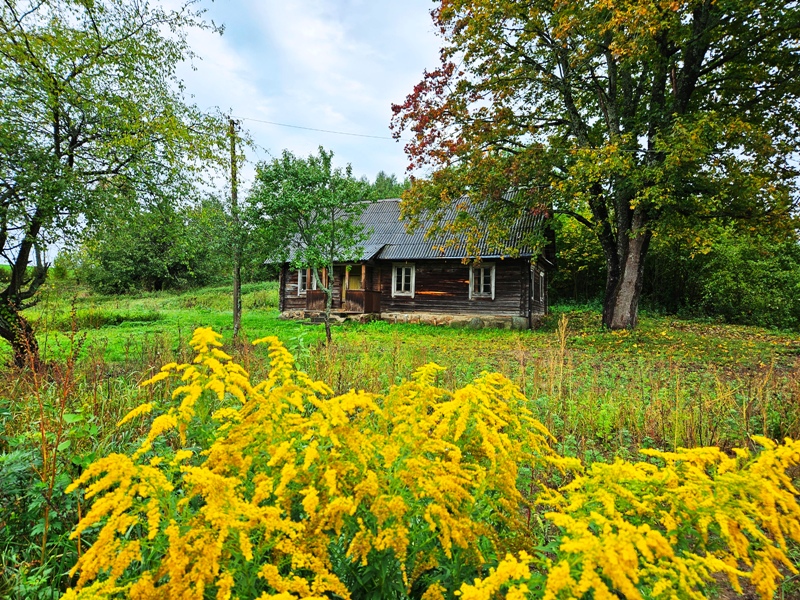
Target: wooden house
(402, 277)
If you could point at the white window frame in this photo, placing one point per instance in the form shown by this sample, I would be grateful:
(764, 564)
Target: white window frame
(301, 291)
(480, 267)
(404, 293)
(541, 287)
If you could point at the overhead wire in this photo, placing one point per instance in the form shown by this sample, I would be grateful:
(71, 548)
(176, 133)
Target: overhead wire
(362, 135)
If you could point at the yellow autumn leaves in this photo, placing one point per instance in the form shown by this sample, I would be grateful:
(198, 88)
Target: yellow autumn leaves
(280, 489)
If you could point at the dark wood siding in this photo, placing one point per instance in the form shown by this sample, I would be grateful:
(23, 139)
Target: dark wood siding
(291, 301)
(525, 292)
(442, 286)
(282, 288)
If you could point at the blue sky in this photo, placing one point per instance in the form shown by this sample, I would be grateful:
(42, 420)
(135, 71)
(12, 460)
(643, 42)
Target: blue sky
(325, 64)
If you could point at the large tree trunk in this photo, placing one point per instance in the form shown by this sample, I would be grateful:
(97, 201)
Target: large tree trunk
(624, 280)
(16, 330)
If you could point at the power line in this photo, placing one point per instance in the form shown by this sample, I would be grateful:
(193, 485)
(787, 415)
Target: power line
(375, 137)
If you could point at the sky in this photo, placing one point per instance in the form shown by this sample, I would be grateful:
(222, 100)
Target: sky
(336, 65)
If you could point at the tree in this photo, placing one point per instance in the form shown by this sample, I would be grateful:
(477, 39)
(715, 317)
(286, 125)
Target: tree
(91, 116)
(307, 212)
(633, 117)
(155, 248)
(387, 186)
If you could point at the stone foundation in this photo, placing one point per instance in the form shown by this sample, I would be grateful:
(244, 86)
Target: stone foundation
(459, 321)
(336, 317)
(293, 314)
(456, 321)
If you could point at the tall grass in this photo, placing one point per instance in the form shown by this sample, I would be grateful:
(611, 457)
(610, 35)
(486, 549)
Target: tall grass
(669, 384)
(598, 405)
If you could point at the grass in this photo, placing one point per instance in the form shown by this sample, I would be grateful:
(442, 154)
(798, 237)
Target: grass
(669, 383)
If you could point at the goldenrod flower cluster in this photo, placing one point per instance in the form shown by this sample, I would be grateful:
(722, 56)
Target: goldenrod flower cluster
(281, 489)
(292, 477)
(662, 529)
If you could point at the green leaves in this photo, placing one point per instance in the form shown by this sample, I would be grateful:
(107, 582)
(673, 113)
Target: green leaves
(93, 120)
(632, 113)
(307, 210)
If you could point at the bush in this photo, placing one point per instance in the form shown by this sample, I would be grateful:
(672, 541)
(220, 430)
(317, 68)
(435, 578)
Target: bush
(94, 318)
(283, 490)
(740, 277)
(753, 282)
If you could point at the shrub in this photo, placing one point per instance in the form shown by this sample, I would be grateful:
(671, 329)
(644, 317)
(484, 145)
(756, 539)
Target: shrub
(282, 490)
(754, 281)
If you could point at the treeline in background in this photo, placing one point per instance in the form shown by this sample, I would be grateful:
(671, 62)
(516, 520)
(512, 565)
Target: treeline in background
(176, 246)
(734, 275)
(722, 272)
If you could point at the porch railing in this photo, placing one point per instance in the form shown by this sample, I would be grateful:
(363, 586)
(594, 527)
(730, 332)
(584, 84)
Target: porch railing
(362, 301)
(355, 301)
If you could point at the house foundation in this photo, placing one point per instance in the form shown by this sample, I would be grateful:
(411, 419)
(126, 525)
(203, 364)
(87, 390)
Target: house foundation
(457, 321)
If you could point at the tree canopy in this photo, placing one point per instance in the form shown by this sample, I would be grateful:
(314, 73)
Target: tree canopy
(155, 247)
(386, 186)
(91, 115)
(635, 118)
(306, 211)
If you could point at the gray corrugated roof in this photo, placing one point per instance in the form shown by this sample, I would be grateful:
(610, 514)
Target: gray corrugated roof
(382, 222)
(388, 239)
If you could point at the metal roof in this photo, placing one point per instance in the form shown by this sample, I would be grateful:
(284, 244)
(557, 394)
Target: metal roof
(382, 223)
(388, 238)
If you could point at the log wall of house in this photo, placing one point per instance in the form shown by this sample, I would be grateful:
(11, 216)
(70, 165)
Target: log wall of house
(442, 286)
(290, 298)
(282, 288)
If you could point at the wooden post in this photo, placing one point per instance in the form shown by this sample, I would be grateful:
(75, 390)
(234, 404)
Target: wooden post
(237, 249)
(363, 276)
(346, 284)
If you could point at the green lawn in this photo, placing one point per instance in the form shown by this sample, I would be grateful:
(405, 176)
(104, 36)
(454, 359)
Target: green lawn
(670, 382)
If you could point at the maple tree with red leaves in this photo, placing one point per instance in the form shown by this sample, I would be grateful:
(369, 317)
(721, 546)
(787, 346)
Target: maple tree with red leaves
(637, 118)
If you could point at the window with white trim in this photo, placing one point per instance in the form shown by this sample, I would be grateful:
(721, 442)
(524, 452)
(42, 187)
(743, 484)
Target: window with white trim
(481, 281)
(403, 279)
(303, 276)
(541, 286)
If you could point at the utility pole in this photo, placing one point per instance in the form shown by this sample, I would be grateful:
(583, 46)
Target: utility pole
(237, 241)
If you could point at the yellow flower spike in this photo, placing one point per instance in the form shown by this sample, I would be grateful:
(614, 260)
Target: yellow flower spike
(216, 386)
(237, 392)
(142, 409)
(296, 467)
(219, 354)
(204, 338)
(426, 374)
(180, 456)
(155, 378)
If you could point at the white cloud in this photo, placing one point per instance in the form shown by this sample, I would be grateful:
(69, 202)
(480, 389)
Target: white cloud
(326, 64)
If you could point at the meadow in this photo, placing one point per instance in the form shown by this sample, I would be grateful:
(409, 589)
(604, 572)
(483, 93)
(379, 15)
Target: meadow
(603, 395)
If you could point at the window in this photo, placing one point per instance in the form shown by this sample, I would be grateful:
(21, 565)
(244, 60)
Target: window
(541, 286)
(303, 277)
(403, 279)
(481, 281)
